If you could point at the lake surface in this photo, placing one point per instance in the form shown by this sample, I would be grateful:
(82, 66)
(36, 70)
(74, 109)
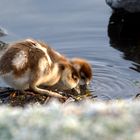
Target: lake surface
(77, 28)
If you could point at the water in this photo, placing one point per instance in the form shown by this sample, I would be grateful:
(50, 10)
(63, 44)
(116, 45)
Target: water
(77, 28)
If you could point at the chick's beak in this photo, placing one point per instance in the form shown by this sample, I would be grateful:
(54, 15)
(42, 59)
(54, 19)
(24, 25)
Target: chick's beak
(77, 89)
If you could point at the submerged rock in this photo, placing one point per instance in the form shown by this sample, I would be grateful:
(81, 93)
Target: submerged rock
(128, 5)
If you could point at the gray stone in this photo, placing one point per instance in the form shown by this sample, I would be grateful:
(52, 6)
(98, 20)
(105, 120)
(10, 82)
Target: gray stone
(128, 5)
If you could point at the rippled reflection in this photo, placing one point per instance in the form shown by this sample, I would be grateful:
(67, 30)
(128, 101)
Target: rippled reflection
(124, 34)
(111, 82)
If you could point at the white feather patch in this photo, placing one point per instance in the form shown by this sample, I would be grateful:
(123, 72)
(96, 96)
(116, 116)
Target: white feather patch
(20, 59)
(21, 82)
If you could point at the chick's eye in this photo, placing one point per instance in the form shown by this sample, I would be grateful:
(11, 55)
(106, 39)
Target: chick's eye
(83, 77)
(74, 77)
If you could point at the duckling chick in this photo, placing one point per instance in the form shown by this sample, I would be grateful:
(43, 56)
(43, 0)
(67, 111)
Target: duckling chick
(84, 69)
(29, 63)
(81, 65)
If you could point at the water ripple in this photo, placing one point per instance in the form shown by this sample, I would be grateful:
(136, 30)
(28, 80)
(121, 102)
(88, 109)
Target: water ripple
(111, 83)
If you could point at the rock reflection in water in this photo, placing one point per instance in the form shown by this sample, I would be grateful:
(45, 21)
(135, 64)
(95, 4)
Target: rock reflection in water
(124, 34)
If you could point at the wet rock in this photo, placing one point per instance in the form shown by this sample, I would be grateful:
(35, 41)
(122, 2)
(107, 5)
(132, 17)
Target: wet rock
(128, 5)
(3, 45)
(2, 32)
(17, 98)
